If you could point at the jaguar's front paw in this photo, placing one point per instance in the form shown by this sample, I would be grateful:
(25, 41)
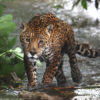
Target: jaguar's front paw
(49, 85)
(40, 86)
(31, 86)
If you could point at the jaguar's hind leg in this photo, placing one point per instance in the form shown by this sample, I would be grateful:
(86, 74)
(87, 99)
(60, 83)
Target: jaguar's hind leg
(75, 72)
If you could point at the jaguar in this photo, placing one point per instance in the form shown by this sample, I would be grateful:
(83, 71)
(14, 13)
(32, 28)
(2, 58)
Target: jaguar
(48, 38)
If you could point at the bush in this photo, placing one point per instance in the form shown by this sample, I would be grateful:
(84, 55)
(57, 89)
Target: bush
(11, 60)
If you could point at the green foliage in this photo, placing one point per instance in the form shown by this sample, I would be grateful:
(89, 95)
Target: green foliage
(84, 4)
(0, 11)
(38, 63)
(58, 6)
(11, 42)
(6, 27)
(10, 60)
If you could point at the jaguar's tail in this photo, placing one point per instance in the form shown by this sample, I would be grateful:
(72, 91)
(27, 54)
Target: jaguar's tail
(85, 50)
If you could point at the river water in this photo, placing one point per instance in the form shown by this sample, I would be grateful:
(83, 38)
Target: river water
(85, 24)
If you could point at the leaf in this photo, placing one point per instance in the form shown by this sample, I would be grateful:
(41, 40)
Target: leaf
(6, 25)
(1, 54)
(58, 6)
(38, 63)
(6, 68)
(19, 57)
(7, 18)
(2, 5)
(0, 11)
(84, 4)
(3, 43)
(18, 53)
(11, 42)
(19, 69)
(18, 49)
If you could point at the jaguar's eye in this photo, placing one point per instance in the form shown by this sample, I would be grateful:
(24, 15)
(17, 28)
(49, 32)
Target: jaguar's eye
(41, 42)
(28, 40)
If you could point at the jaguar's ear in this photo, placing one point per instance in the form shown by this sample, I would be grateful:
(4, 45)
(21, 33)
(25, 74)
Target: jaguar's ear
(49, 29)
(23, 26)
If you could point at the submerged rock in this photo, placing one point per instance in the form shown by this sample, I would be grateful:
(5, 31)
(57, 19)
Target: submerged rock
(63, 93)
(38, 96)
(56, 93)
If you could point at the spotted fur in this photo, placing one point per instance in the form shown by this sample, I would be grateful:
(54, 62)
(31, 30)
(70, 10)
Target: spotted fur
(48, 38)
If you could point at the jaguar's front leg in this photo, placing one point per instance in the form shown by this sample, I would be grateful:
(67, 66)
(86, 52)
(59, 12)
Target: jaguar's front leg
(60, 77)
(51, 70)
(31, 72)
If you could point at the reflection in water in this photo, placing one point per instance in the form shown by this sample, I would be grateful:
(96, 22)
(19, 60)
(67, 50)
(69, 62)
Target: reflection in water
(85, 24)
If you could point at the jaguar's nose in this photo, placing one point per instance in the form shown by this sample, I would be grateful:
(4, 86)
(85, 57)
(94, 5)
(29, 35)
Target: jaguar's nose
(33, 52)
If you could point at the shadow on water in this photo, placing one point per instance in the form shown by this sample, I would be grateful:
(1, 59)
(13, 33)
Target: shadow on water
(85, 26)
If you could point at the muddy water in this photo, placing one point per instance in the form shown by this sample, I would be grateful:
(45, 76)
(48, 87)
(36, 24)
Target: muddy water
(85, 25)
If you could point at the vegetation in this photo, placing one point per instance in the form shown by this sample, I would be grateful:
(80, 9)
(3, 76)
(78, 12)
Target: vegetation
(84, 3)
(10, 60)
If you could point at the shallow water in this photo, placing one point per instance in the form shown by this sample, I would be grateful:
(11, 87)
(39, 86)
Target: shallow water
(85, 25)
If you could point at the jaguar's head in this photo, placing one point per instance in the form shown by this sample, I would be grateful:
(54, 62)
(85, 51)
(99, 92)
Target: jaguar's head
(35, 40)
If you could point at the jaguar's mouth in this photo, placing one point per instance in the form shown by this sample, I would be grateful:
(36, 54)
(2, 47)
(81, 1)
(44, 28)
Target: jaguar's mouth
(32, 58)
